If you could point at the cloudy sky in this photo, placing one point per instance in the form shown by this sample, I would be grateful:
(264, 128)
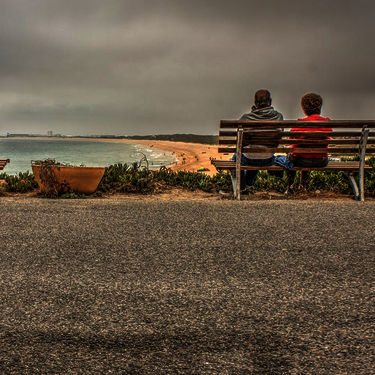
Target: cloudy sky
(178, 66)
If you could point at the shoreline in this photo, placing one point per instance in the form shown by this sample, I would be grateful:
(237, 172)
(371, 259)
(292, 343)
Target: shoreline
(190, 156)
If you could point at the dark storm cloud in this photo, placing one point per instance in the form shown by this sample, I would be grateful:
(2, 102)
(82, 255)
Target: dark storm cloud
(125, 67)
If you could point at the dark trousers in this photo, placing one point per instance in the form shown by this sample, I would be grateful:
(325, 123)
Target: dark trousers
(248, 178)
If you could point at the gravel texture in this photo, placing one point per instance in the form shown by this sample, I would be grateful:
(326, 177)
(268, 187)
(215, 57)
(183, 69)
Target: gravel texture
(186, 287)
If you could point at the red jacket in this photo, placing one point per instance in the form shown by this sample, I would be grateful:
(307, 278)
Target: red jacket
(311, 118)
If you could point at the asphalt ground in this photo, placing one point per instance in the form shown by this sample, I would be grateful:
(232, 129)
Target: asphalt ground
(120, 286)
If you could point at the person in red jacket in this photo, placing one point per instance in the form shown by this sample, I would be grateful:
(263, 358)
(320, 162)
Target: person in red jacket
(311, 105)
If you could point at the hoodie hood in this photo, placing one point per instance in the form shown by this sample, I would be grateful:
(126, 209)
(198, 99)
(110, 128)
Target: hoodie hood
(268, 113)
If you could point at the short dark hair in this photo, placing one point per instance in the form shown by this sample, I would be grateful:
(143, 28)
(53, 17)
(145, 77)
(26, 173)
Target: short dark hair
(311, 104)
(262, 98)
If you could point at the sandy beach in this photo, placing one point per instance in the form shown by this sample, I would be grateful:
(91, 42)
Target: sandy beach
(191, 156)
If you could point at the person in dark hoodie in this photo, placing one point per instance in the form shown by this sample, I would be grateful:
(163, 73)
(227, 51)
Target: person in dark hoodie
(261, 110)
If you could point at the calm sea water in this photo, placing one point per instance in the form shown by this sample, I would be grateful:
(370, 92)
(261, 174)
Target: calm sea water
(89, 153)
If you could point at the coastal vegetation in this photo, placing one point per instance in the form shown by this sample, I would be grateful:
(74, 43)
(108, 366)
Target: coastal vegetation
(23, 182)
(133, 179)
(123, 178)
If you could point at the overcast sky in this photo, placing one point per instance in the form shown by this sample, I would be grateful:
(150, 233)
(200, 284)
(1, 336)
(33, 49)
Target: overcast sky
(178, 66)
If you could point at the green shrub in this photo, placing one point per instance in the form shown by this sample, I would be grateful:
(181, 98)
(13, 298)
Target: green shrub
(222, 181)
(21, 183)
(370, 177)
(132, 179)
(268, 182)
(336, 182)
(127, 179)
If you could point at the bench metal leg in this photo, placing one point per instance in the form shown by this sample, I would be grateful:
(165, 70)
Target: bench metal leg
(354, 184)
(233, 179)
(237, 190)
(362, 155)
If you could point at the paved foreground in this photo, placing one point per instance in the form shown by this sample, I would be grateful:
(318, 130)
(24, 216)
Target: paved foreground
(215, 287)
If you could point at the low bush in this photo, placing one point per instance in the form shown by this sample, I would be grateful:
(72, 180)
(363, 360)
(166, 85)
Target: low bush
(126, 179)
(335, 182)
(132, 179)
(267, 182)
(21, 183)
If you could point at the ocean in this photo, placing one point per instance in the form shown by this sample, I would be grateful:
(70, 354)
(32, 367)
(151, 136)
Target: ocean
(77, 152)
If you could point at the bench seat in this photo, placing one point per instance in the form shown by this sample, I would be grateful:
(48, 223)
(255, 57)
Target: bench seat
(332, 166)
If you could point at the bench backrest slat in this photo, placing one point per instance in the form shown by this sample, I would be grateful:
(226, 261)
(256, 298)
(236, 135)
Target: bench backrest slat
(262, 141)
(283, 150)
(344, 124)
(309, 134)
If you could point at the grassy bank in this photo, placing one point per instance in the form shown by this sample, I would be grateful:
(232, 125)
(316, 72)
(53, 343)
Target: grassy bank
(122, 178)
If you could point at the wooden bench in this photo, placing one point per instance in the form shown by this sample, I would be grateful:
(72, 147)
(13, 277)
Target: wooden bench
(348, 138)
(3, 163)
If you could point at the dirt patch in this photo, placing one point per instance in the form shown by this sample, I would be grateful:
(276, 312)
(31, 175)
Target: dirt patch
(172, 194)
(183, 194)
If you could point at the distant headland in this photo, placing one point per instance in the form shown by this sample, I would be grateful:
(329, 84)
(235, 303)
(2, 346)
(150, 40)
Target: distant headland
(187, 138)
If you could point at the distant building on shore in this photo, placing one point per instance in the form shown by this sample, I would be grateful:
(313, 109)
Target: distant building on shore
(49, 134)
(9, 135)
